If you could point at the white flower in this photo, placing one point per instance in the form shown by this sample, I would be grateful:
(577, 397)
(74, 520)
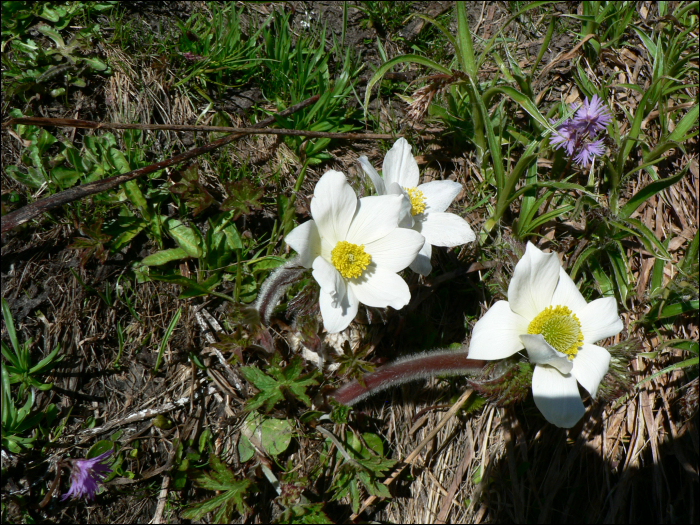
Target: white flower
(547, 316)
(355, 248)
(424, 205)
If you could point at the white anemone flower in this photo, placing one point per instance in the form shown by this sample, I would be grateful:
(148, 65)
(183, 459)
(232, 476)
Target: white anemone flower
(547, 316)
(355, 248)
(424, 205)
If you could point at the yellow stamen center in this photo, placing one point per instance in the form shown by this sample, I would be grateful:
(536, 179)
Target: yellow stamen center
(560, 328)
(417, 200)
(350, 259)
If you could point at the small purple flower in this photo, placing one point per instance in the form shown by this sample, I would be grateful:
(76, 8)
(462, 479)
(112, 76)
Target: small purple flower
(575, 134)
(86, 475)
(592, 117)
(565, 137)
(192, 57)
(588, 152)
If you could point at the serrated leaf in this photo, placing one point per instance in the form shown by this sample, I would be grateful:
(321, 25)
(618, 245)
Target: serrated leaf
(309, 513)
(272, 387)
(242, 198)
(220, 478)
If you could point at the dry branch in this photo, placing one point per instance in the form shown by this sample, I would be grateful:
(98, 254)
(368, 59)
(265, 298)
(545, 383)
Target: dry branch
(90, 124)
(28, 212)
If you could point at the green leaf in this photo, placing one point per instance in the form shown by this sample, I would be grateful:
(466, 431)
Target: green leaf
(646, 192)
(65, 177)
(280, 380)
(166, 338)
(99, 448)
(33, 178)
(186, 237)
(164, 256)
(465, 51)
(522, 100)
(689, 121)
(133, 192)
(10, 325)
(220, 479)
(672, 310)
(693, 361)
(53, 35)
(123, 230)
(95, 63)
(275, 435)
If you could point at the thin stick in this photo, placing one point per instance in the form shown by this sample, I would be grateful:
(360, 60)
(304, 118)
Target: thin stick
(89, 124)
(413, 455)
(162, 500)
(28, 212)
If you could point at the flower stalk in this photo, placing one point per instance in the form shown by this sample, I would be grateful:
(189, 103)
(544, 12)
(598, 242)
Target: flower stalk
(421, 366)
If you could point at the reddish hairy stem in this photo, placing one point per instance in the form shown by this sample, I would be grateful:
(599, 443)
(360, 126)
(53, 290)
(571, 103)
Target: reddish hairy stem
(422, 366)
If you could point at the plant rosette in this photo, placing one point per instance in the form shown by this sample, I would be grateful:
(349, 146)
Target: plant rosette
(355, 248)
(424, 205)
(548, 317)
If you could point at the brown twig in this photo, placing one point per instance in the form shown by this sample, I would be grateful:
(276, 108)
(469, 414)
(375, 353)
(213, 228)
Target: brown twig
(28, 212)
(90, 124)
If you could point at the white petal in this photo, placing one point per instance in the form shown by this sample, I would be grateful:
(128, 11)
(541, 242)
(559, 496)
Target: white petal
(305, 240)
(557, 396)
(333, 206)
(329, 279)
(534, 281)
(421, 264)
(541, 353)
(444, 229)
(395, 251)
(405, 217)
(372, 173)
(599, 320)
(566, 293)
(497, 334)
(400, 166)
(590, 366)
(337, 318)
(375, 217)
(380, 288)
(439, 194)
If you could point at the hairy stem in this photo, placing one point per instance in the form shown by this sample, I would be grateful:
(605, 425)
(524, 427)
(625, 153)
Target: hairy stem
(421, 366)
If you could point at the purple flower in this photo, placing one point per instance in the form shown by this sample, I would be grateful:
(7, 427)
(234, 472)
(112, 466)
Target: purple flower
(588, 152)
(86, 475)
(592, 117)
(565, 137)
(575, 134)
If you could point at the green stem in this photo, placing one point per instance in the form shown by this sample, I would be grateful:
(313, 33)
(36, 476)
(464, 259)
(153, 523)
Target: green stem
(237, 291)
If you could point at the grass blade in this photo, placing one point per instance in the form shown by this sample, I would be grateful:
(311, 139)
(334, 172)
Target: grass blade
(647, 192)
(7, 315)
(166, 338)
